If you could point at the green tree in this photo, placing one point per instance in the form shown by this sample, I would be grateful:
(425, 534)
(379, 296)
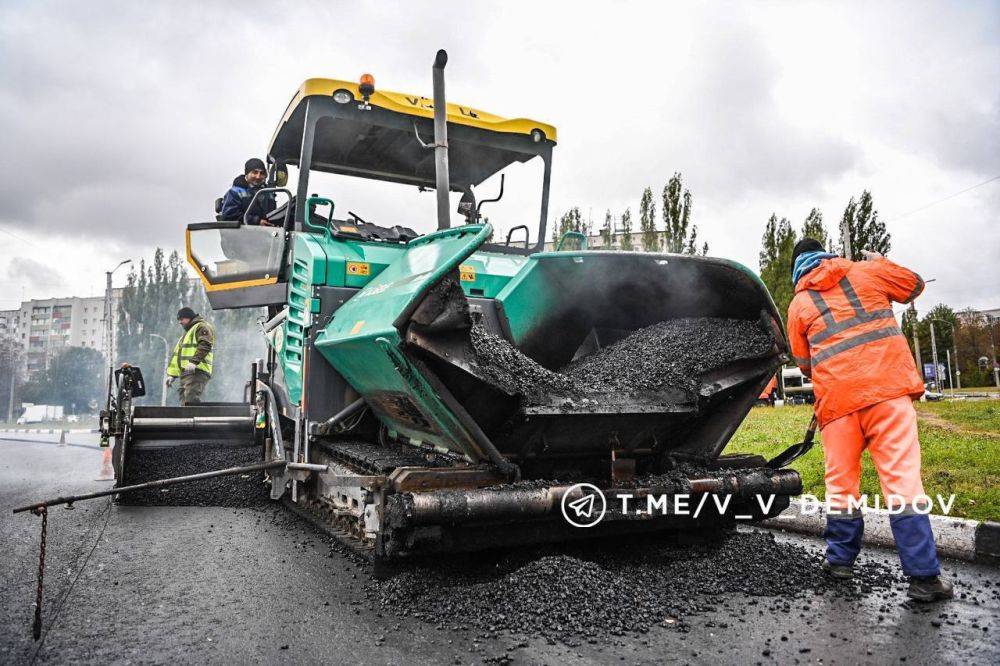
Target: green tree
(679, 236)
(607, 230)
(626, 242)
(814, 228)
(10, 380)
(865, 230)
(571, 220)
(73, 379)
(775, 262)
(647, 222)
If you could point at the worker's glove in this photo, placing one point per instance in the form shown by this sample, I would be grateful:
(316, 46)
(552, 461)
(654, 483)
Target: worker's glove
(871, 256)
(170, 381)
(189, 368)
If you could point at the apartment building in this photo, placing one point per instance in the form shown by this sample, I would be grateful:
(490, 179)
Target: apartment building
(43, 327)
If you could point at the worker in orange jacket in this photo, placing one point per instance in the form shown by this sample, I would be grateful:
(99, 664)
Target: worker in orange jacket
(843, 334)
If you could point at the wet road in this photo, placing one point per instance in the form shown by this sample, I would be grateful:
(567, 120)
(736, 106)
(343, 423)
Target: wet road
(183, 585)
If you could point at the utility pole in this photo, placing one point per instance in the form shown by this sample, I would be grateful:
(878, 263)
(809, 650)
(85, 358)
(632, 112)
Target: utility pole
(916, 340)
(951, 381)
(934, 358)
(13, 381)
(845, 234)
(166, 362)
(109, 339)
(954, 344)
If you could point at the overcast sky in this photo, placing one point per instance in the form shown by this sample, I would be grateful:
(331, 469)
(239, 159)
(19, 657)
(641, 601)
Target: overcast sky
(120, 123)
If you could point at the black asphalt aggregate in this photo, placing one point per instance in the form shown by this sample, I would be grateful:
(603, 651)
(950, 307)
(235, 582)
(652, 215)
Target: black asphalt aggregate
(671, 354)
(225, 585)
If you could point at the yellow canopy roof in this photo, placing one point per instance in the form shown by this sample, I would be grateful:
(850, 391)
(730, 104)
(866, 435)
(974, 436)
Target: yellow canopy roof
(416, 105)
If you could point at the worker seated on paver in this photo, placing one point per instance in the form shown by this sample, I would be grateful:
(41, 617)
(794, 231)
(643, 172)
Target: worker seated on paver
(192, 357)
(843, 333)
(239, 197)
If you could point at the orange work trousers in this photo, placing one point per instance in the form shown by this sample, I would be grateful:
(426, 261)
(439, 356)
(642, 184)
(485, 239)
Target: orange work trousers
(889, 431)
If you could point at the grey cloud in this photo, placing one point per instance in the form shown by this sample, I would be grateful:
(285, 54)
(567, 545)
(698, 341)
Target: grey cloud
(21, 269)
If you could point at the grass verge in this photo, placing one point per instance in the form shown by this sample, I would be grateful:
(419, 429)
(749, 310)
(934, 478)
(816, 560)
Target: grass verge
(960, 446)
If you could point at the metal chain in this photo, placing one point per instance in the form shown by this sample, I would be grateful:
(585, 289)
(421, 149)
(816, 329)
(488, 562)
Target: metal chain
(37, 626)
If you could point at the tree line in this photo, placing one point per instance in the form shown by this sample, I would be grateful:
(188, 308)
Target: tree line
(672, 232)
(864, 231)
(148, 308)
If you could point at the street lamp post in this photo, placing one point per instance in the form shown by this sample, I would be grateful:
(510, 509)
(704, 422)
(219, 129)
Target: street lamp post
(108, 335)
(166, 362)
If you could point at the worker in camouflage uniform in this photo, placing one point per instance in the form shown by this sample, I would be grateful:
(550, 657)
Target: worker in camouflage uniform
(192, 357)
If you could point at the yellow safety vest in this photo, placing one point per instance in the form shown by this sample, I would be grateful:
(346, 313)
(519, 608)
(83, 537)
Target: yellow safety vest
(185, 349)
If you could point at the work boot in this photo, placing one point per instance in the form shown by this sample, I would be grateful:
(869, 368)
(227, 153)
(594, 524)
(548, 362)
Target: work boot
(838, 571)
(929, 588)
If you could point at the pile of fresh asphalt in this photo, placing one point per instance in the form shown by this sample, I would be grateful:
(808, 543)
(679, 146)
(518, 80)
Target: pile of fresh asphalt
(672, 354)
(587, 591)
(239, 490)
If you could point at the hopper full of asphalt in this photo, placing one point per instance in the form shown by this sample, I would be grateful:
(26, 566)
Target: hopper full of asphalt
(669, 355)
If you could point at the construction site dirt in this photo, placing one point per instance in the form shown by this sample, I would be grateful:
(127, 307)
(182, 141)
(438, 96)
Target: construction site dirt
(211, 584)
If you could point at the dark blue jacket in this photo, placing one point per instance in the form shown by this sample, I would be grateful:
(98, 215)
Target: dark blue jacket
(238, 198)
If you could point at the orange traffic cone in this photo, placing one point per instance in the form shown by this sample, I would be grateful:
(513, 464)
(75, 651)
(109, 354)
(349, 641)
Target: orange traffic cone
(107, 473)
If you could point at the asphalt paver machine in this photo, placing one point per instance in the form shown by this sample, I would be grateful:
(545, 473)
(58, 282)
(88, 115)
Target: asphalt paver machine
(450, 390)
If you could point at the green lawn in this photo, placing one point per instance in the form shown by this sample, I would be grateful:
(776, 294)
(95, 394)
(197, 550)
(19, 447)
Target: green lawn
(960, 444)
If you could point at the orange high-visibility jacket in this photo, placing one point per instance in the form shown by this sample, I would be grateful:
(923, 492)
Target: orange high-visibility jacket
(843, 333)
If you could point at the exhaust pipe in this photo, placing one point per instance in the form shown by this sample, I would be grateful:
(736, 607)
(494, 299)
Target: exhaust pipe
(441, 141)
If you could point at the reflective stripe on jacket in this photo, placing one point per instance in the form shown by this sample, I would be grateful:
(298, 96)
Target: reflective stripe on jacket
(843, 333)
(186, 348)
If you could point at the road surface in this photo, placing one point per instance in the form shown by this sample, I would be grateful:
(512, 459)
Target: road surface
(210, 585)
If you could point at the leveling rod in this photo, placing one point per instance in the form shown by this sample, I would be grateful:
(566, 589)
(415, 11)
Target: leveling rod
(169, 482)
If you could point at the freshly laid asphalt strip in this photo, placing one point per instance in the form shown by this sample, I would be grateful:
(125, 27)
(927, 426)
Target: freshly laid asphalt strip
(243, 490)
(575, 593)
(214, 585)
(670, 354)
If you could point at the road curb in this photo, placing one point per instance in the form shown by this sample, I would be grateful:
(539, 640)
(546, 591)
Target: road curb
(961, 538)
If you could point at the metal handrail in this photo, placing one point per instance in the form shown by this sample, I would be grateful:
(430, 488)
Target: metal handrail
(288, 208)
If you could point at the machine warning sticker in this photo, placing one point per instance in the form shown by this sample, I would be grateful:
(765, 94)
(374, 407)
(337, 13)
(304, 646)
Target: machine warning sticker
(467, 273)
(359, 268)
(357, 326)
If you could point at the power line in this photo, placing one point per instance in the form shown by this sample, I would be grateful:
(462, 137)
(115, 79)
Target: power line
(950, 196)
(23, 240)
